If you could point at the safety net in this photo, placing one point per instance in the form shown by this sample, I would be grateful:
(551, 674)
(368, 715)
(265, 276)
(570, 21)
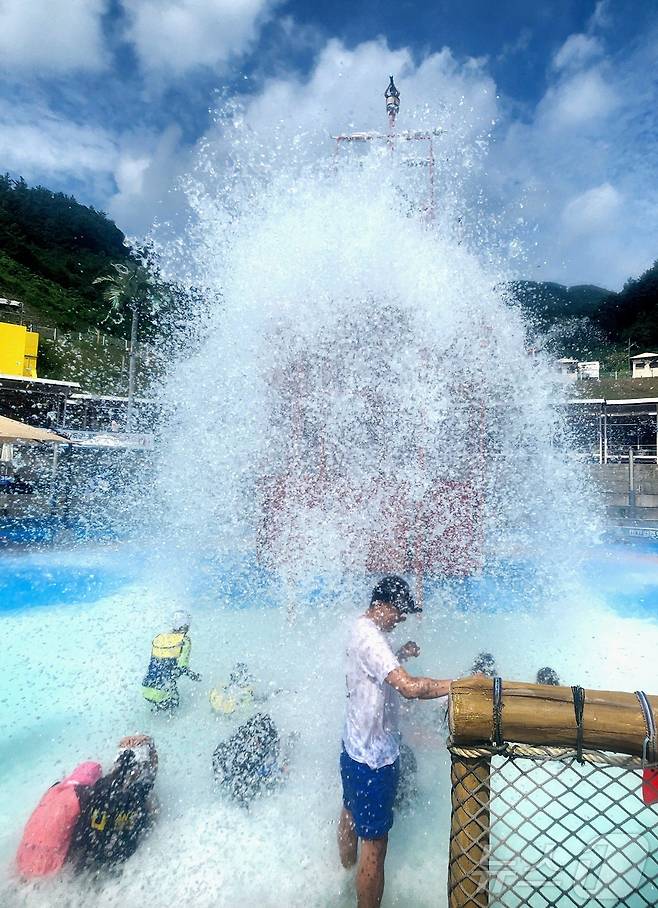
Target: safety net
(546, 826)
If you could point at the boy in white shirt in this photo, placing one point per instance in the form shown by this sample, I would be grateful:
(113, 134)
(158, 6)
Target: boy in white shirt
(369, 762)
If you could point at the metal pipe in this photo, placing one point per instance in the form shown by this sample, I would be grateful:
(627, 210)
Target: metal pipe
(132, 363)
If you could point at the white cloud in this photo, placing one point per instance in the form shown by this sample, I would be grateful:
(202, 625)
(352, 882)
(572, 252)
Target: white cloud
(130, 175)
(174, 36)
(576, 176)
(579, 175)
(146, 172)
(593, 211)
(38, 143)
(600, 18)
(34, 35)
(576, 51)
(577, 101)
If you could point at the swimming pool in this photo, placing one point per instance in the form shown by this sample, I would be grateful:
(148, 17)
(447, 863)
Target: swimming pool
(77, 627)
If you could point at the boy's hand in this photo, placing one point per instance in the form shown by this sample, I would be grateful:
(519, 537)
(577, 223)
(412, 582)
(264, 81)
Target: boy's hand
(409, 651)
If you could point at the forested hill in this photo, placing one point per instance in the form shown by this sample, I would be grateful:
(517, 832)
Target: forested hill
(51, 250)
(632, 314)
(548, 302)
(591, 315)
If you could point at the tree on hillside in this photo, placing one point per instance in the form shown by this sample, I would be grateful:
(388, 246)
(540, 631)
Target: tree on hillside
(632, 315)
(133, 290)
(545, 302)
(51, 250)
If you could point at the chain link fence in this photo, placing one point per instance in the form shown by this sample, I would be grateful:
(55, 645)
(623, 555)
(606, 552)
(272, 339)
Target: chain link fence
(535, 827)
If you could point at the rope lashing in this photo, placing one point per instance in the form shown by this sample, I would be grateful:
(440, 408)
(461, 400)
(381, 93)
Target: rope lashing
(579, 709)
(497, 731)
(543, 754)
(649, 752)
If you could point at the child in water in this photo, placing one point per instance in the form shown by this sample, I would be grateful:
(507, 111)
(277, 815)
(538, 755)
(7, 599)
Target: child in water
(253, 761)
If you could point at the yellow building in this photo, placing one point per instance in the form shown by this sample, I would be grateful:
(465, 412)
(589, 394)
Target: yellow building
(18, 350)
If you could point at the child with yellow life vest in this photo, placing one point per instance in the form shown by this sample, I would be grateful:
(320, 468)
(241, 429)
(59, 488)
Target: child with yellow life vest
(170, 657)
(237, 696)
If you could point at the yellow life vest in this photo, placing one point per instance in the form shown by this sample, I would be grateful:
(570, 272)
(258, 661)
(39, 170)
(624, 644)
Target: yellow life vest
(167, 646)
(226, 701)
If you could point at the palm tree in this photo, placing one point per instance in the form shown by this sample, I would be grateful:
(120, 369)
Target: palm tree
(127, 290)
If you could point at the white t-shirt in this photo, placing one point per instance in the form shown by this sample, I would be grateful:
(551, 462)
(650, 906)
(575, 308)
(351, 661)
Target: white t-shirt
(371, 724)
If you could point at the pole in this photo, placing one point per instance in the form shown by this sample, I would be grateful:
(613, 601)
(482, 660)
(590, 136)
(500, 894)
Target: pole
(53, 481)
(468, 870)
(601, 418)
(431, 176)
(132, 363)
(631, 482)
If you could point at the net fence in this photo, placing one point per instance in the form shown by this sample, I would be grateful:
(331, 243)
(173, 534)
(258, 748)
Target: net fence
(538, 827)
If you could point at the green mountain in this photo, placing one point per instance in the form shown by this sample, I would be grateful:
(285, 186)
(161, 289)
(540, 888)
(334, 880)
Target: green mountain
(51, 250)
(546, 302)
(632, 315)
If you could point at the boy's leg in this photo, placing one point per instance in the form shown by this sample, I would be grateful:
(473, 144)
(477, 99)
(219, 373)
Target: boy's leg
(370, 875)
(347, 839)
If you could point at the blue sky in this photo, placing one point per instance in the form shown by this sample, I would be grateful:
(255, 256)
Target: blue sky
(110, 99)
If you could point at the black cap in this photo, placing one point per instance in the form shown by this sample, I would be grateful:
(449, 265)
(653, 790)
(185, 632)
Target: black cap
(394, 590)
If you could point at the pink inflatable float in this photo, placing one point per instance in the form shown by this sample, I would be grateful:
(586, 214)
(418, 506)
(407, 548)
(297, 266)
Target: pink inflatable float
(47, 834)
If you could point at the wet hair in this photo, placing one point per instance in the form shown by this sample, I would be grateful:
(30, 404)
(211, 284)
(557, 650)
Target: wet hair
(548, 675)
(485, 664)
(124, 765)
(127, 764)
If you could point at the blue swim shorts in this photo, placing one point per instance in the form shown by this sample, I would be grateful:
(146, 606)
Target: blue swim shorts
(369, 794)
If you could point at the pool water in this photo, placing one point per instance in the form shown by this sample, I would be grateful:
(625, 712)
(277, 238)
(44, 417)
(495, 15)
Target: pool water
(77, 627)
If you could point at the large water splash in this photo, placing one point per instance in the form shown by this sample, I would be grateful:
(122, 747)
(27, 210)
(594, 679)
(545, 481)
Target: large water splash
(360, 374)
(362, 396)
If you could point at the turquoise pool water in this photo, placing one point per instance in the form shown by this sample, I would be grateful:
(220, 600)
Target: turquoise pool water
(77, 627)
(625, 576)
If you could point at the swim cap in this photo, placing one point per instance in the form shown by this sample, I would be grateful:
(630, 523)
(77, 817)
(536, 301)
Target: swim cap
(179, 619)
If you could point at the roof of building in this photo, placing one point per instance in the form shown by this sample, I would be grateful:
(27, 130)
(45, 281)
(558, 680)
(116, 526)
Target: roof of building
(614, 402)
(45, 382)
(645, 356)
(104, 398)
(635, 400)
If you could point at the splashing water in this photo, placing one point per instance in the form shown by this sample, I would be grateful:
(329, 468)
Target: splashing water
(361, 380)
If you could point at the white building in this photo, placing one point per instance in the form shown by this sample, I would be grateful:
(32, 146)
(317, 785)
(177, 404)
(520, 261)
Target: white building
(568, 367)
(571, 369)
(645, 365)
(590, 369)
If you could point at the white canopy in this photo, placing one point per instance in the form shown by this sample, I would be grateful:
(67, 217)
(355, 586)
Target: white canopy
(11, 430)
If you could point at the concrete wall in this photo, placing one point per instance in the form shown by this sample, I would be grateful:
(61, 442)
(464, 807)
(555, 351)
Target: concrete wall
(613, 480)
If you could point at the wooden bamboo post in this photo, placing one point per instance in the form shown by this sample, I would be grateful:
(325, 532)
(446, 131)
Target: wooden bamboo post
(468, 871)
(544, 715)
